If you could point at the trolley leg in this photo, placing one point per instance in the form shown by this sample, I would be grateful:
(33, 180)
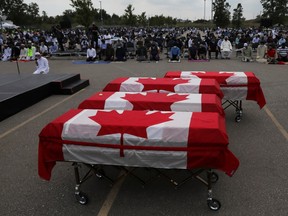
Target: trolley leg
(239, 111)
(212, 203)
(80, 197)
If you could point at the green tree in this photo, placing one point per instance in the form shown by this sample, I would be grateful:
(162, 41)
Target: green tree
(221, 13)
(129, 18)
(162, 21)
(84, 10)
(275, 10)
(14, 10)
(142, 19)
(238, 16)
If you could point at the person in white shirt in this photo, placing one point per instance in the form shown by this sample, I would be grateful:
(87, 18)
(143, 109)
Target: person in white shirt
(7, 52)
(43, 49)
(42, 64)
(91, 54)
(23, 52)
(226, 48)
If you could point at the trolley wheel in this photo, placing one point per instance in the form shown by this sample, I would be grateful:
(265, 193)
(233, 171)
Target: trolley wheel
(238, 118)
(82, 198)
(214, 204)
(214, 177)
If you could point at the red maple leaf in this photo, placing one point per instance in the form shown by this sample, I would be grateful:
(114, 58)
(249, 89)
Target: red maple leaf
(128, 122)
(153, 100)
(220, 77)
(158, 84)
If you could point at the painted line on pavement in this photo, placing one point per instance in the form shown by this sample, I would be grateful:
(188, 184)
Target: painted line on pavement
(36, 116)
(111, 196)
(276, 122)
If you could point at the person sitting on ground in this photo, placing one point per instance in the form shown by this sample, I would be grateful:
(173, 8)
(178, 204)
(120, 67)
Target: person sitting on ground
(154, 52)
(226, 48)
(103, 47)
(141, 53)
(31, 50)
(43, 49)
(120, 52)
(109, 53)
(42, 64)
(175, 53)
(15, 52)
(212, 47)
(23, 52)
(247, 53)
(261, 52)
(7, 53)
(282, 53)
(271, 54)
(193, 52)
(91, 54)
(202, 51)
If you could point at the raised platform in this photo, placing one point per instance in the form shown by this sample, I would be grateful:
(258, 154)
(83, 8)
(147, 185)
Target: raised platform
(18, 92)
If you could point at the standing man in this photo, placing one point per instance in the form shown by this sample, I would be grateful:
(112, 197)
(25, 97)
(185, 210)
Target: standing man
(42, 64)
(94, 36)
(60, 36)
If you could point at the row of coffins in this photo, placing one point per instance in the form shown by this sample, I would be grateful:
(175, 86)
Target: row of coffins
(175, 122)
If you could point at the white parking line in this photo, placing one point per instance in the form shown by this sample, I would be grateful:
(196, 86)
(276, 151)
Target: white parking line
(276, 122)
(111, 196)
(36, 116)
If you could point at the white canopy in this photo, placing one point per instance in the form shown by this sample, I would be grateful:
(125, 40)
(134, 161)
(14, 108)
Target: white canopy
(8, 26)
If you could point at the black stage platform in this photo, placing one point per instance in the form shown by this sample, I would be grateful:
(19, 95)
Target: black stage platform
(18, 92)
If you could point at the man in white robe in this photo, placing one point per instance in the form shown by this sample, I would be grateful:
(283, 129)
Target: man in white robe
(42, 64)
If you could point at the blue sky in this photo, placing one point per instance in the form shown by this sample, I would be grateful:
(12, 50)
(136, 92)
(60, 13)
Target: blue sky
(184, 9)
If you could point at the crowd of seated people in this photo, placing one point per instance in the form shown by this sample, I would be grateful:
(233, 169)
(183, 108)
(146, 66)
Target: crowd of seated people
(193, 43)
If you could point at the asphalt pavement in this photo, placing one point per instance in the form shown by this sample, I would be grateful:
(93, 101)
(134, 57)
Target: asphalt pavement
(260, 142)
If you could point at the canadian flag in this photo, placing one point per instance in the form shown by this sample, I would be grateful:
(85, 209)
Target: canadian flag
(154, 101)
(137, 138)
(152, 84)
(236, 85)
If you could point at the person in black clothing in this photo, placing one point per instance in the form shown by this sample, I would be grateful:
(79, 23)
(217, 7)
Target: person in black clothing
(59, 35)
(94, 31)
(202, 51)
(15, 52)
(120, 52)
(141, 53)
(212, 47)
(109, 53)
(193, 52)
(154, 52)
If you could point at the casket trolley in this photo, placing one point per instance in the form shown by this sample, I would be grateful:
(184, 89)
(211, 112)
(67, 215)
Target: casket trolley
(236, 86)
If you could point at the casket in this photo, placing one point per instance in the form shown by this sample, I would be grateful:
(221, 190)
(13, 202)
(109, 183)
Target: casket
(157, 139)
(154, 101)
(152, 84)
(235, 85)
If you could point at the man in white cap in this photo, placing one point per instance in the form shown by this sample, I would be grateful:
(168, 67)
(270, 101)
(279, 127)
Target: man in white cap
(42, 64)
(247, 53)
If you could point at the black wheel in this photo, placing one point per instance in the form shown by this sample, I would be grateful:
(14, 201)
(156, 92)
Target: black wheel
(237, 118)
(214, 204)
(82, 198)
(214, 177)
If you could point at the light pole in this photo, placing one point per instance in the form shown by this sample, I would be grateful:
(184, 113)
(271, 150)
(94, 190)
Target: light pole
(212, 10)
(101, 13)
(204, 9)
